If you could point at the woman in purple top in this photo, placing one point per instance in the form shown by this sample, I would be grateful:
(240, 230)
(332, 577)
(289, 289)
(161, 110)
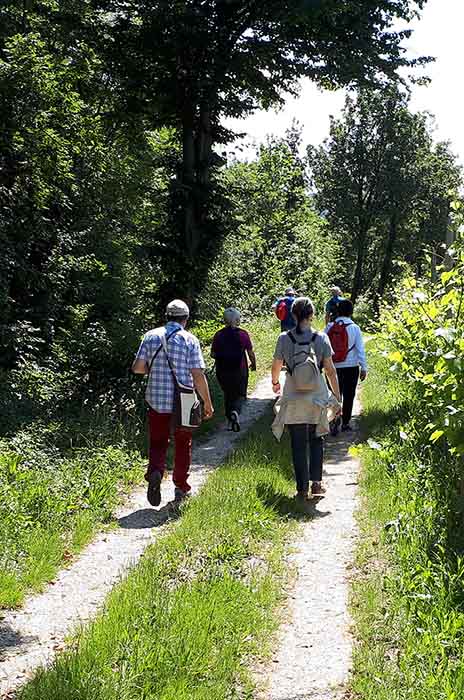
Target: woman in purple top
(230, 348)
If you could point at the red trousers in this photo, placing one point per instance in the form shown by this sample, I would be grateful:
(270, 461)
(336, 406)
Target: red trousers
(160, 433)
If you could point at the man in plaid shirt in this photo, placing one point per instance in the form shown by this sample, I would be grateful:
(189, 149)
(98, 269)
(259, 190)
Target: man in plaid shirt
(187, 359)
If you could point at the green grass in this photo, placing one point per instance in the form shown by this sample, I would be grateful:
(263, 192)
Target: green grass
(201, 604)
(408, 595)
(61, 476)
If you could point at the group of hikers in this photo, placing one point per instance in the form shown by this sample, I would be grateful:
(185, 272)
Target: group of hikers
(322, 370)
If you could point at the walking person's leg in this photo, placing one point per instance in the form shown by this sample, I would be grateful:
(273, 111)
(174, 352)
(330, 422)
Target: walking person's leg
(231, 383)
(244, 376)
(350, 383)
(316, 459)
(299, 443)
(159, 432)
(182, 461)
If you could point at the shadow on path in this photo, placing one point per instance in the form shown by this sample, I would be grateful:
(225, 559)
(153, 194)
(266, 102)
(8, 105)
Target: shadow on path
(287, 507)
(149, 517)
(10, 638)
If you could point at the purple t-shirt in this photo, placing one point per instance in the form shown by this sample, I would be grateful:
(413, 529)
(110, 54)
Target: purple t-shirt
(245, 342)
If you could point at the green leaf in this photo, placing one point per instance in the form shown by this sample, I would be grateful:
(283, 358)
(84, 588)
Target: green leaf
(436, 435)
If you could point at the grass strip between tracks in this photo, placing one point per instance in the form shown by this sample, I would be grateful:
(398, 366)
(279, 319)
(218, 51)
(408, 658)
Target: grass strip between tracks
(201, 603)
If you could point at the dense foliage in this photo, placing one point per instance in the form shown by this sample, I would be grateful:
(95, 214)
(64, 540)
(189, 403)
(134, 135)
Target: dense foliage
(279, 239)
(111, 196)
(189, 64)
(385, 188)
(411, 606)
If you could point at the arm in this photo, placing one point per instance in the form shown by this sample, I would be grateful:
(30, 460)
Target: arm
(275, 373)
(331, 374)
(139, 367)
(213, 347)
(359, 344)
(201, 385)
(252, 358)
(140, 364)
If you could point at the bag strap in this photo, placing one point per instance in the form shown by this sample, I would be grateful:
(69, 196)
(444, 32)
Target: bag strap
(164, 343)
(163, 337)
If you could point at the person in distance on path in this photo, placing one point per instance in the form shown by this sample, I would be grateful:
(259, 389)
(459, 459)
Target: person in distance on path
(332, 305)
(283, 309)
(230, 348)
(306, 412)
(186, 356)
(349, 359)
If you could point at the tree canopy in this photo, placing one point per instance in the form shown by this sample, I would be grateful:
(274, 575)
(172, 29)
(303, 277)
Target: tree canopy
(383, 185)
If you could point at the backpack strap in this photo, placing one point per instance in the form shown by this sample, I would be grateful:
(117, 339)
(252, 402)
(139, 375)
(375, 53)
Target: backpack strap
(292, 337)
(164, 341)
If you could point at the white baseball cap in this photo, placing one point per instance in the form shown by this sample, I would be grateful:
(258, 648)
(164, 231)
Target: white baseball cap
(177, 307)
(335, 289)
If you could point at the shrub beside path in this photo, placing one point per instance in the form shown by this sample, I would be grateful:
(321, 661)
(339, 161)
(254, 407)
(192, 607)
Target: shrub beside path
(31, 636)
(313, 655)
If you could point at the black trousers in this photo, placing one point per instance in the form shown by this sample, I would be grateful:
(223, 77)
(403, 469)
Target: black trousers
(231, 383)
(307, 454)
(347, 381)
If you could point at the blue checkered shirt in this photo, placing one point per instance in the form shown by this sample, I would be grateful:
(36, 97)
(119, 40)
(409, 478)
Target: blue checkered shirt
(185, 354)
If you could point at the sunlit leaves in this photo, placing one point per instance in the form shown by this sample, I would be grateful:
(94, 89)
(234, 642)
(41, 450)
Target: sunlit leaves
(427, 345)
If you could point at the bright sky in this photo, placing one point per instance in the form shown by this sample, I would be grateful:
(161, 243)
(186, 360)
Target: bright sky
(438, 33)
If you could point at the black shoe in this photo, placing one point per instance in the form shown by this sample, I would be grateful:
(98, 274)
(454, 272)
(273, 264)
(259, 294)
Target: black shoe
(154, 488)
(180, 495)
(347, 428)
(235, 421)
(334, 425)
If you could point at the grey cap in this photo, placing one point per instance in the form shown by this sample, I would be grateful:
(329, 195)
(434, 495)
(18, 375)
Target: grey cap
(232, 316)
(290, 291)
(177, 307)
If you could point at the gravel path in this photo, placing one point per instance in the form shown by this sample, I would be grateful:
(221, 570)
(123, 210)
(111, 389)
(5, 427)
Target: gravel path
(31, 636)
(313, 655)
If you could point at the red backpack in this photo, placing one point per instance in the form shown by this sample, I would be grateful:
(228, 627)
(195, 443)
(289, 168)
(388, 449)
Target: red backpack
(281, 310)
(338, 336)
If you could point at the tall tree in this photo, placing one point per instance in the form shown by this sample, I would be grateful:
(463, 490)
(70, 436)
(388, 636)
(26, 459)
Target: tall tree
(189, 63)
(381, 181)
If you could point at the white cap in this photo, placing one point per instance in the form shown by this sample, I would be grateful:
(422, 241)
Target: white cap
(177, 307)
(335, 290)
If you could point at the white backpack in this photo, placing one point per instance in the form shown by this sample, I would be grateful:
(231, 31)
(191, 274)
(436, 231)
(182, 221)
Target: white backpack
(305, 370)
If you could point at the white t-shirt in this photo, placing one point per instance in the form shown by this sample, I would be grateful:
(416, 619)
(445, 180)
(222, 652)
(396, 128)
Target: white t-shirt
(357, 355)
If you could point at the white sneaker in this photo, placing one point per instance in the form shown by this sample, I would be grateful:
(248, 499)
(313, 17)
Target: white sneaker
(234, 419)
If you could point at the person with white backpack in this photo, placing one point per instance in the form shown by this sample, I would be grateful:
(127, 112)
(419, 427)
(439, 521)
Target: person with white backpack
(306, 405)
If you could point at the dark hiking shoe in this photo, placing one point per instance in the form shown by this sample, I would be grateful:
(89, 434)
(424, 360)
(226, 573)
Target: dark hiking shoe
(235, 421)
(334, 426)
(180, 495)
(302, 497)
(318, 489)
(154, 488)
(346, 428)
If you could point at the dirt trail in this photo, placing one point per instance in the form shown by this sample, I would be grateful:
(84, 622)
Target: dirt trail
(31, 636)
(313, 651)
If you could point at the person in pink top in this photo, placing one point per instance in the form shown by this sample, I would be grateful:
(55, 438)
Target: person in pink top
(232, 349)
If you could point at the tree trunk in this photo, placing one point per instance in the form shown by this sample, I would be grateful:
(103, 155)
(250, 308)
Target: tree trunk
(358, 271)
(188, 181)
(385, 272)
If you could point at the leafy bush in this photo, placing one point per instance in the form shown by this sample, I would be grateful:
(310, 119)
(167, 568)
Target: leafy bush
(409, 597)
